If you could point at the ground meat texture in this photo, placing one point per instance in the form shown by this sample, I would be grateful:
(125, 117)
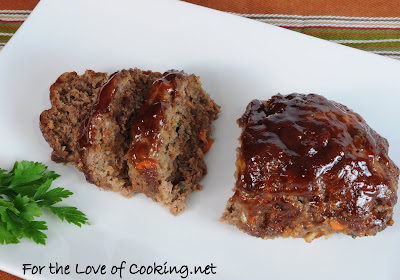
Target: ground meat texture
(169, 139)
(71, 98)
(94, 124)
(104, 135)
(309, 167)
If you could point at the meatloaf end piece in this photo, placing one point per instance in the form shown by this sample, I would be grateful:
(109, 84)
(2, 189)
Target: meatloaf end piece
(71, 98)
(104, 134)
(309, 167)
(170, 136)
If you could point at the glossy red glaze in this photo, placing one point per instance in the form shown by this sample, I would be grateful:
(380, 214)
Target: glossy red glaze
(149, 122)
(306, 149)
(100, 107)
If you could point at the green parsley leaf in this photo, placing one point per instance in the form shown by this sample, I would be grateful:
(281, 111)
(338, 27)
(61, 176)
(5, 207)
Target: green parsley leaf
(26, 172)
(191, 135)
(33, 231)
(24, 192)
(46, 198)
(27, 208)
(181, 187)
(7, 204)
(14, 222)
(70, 214)
(6, 237)
(4, 178)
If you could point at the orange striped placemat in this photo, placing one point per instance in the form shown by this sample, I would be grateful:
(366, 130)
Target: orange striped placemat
(380, 35)
(369, 25)
(6, 276)
(337, 21)
(10, 21)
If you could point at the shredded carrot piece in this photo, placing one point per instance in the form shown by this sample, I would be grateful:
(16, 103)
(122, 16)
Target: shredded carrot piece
(51, 125)
(310, 237)
(336, 225)
(203, 136)
(208, 145)
(318, 235)
(146, 164)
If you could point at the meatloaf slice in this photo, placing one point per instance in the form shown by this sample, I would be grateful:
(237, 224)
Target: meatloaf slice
(71, 98)
(309, 167)
(94, 124)
(170, 136)
(104, 134)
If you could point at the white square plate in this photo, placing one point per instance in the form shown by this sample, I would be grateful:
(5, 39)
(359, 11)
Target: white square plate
(238, 60)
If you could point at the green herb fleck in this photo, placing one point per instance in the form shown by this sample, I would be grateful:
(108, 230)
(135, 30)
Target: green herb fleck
(191, 136)
(24, 193)
(178, 126)
(181, 187)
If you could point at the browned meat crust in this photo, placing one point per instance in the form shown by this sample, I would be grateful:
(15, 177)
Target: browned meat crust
(71, 98)
(92, 123)
(309, 167)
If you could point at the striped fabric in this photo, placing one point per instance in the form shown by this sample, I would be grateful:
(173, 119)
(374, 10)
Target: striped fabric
(380, 35)
(10, 21)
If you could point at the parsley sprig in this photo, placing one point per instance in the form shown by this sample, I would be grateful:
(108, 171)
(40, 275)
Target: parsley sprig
(24, 193)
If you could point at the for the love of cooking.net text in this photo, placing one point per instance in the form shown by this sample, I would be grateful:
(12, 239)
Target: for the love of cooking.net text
(121, 270)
